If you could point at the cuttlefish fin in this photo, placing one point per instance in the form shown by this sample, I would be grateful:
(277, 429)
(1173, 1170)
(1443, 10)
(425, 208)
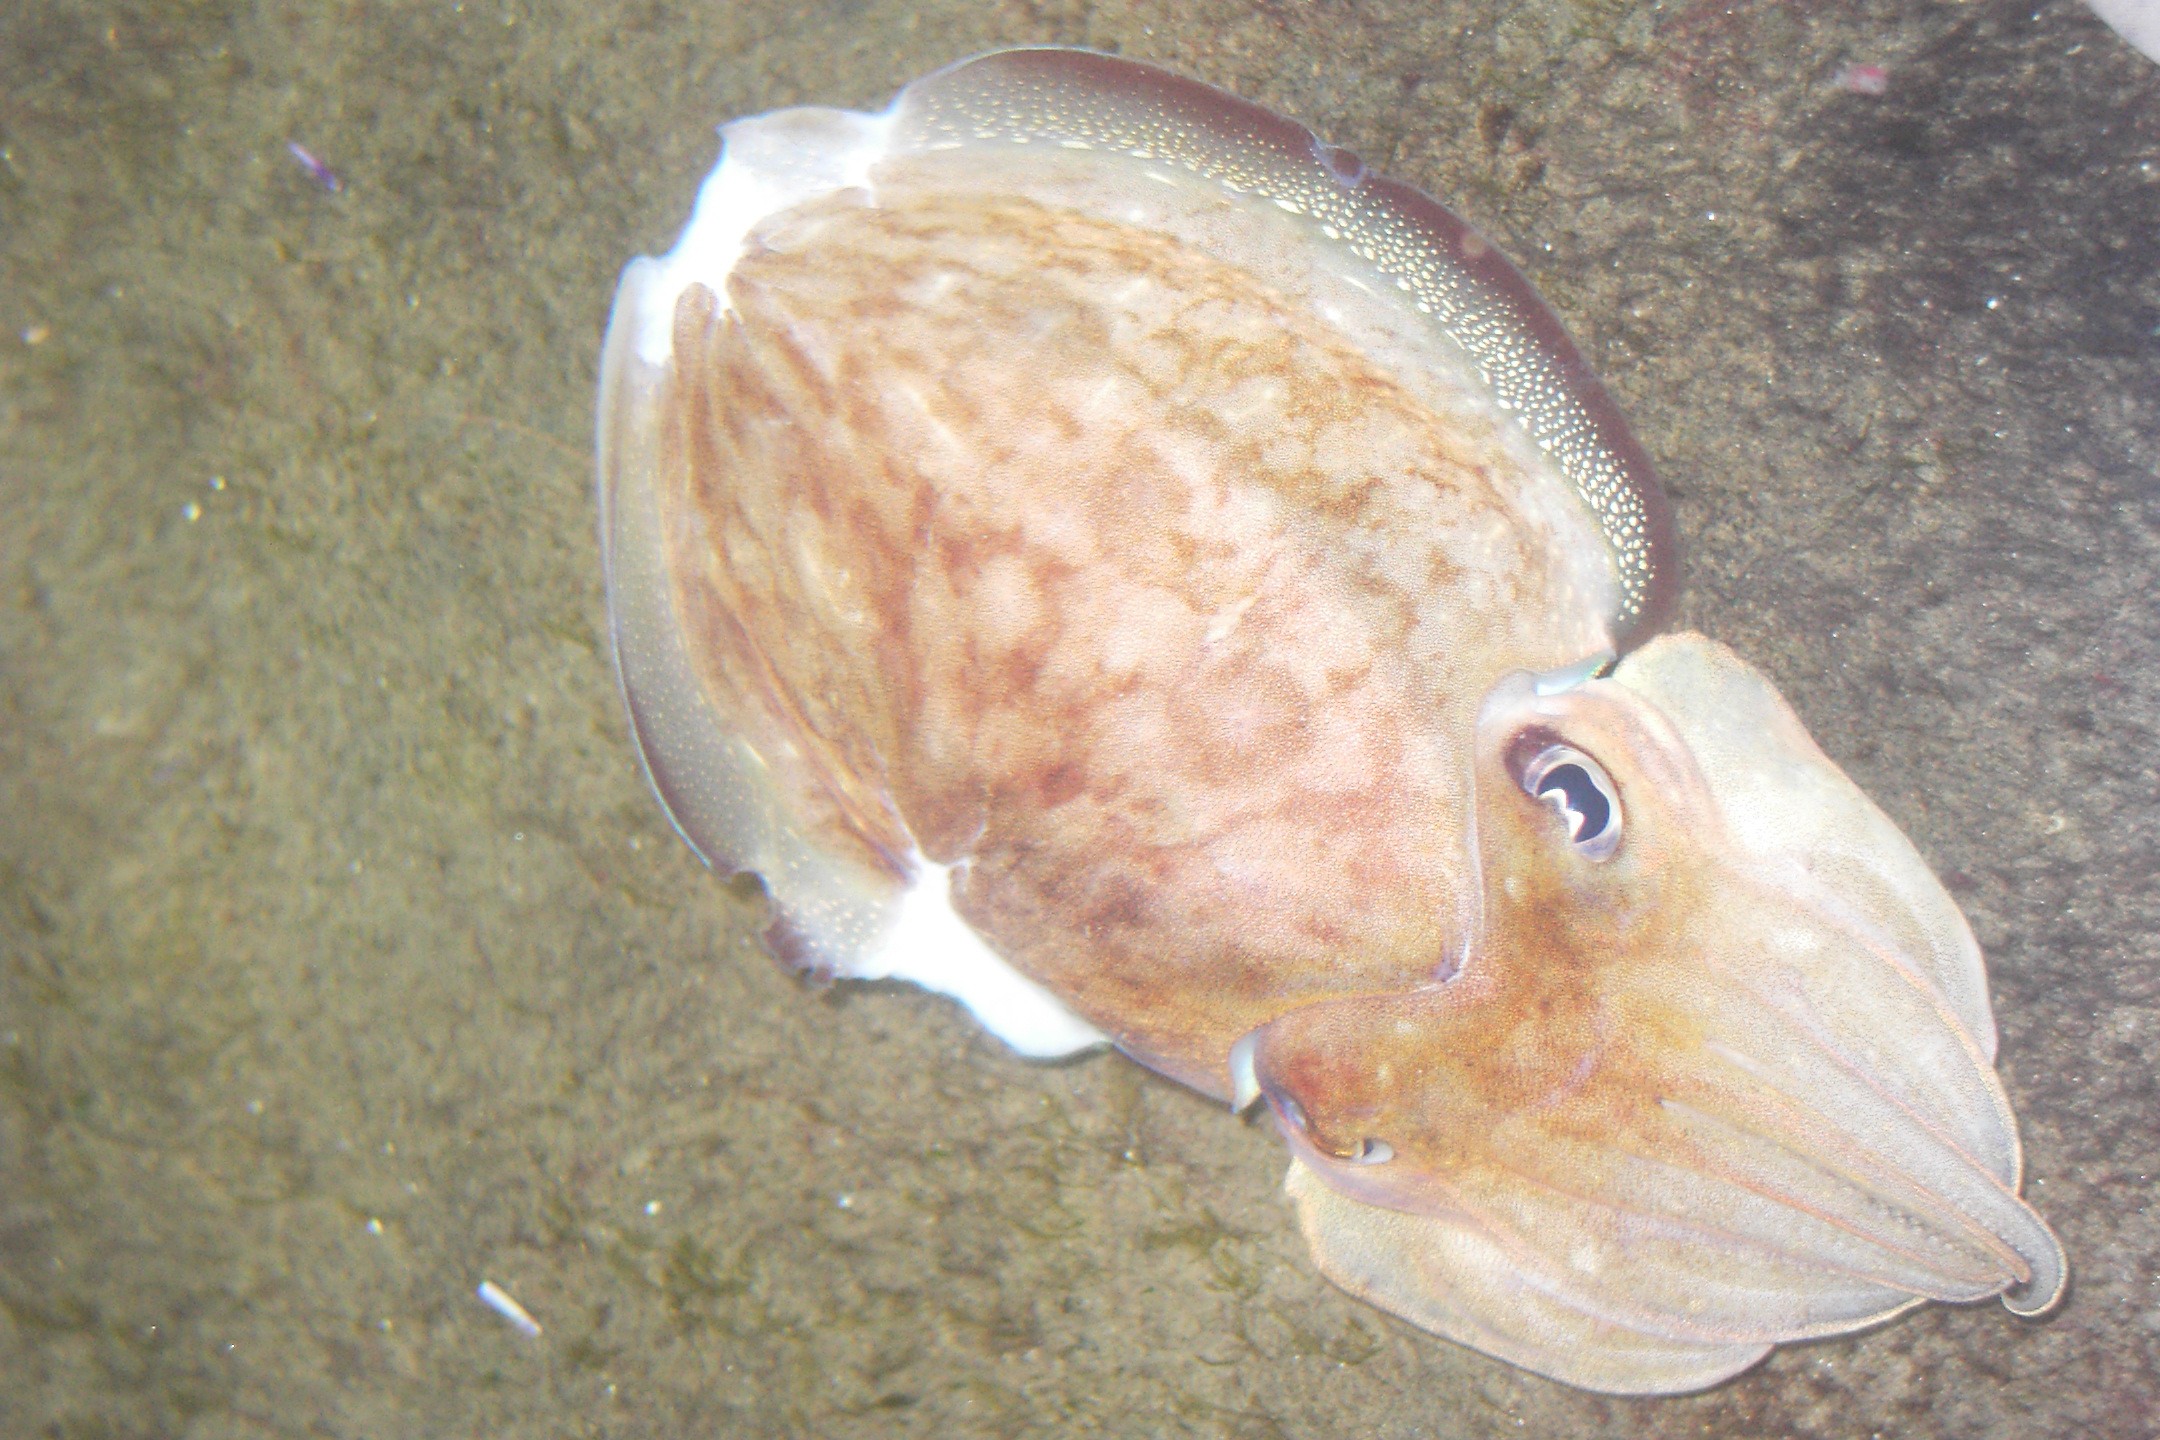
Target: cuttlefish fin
(746, 774)
(715, 760)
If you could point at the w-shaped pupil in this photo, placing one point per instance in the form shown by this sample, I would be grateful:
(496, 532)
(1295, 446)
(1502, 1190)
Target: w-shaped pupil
(1587, 810)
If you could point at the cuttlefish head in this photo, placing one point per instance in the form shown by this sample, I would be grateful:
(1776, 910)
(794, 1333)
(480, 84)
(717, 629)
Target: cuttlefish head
(1716, 1071)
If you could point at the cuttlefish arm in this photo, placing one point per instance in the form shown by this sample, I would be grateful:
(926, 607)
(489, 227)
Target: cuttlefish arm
(1715, 1075)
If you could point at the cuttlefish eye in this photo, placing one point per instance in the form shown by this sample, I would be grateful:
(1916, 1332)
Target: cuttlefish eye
(1578, 788)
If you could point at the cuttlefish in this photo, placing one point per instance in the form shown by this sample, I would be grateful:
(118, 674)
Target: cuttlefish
(1093, 549)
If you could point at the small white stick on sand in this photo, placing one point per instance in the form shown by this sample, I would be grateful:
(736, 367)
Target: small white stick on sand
(498, 1299)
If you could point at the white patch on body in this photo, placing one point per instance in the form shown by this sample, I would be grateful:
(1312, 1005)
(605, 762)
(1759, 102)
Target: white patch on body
(931, 946)
(768, 163)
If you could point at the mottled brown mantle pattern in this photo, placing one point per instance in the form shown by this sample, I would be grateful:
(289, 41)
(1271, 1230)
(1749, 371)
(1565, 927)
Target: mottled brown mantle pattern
(1071, 552)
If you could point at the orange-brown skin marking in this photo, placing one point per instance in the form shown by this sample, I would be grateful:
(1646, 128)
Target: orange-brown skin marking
(1078, 555)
